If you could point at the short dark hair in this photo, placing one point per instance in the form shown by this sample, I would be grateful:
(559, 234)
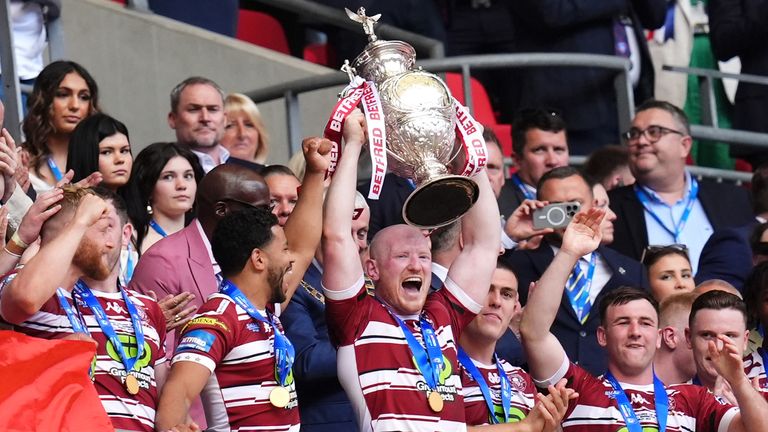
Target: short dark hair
(623, 295)
(652, 254)
(560, 173)
(238, 234)
(760, 189)
(754, 287)
(277, 170)
(678, 114)
(717, 300)
(602, 162)
(117, 201)
(83, 155)
(533, 118)
(194, 80)
(445, 237)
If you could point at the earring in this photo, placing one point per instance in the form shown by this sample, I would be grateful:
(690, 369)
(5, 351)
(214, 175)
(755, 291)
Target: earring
(149, 209)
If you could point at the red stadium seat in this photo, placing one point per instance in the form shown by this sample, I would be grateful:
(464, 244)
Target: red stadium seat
(263, 30)
(321, 54)
(483, 111)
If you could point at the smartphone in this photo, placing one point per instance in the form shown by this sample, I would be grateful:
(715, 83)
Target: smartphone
(556, 215)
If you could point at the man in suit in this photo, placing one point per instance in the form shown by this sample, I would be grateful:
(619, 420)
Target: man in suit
(736, 27)
(539, 144)
(601, 272)
(324, 405)
(586, 96)
(667, 205)
(727, 255)
(184, 262)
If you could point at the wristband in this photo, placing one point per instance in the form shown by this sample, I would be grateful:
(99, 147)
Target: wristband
(16, 239)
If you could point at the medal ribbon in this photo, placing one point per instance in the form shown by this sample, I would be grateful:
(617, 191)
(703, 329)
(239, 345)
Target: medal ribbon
(764, 355)
(428, 360)
(158, 229)
(284, 351)
(506, 386)
(102, 319)
(645, 198)
(55, 169)
(471, 133)
(521, 187)
(77, 321)
(660, 399)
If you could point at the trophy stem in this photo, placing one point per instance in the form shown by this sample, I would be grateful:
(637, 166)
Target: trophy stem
(431, 168)
(440, 201)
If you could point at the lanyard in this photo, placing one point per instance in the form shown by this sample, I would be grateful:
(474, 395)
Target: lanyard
(158, 229)
(90, 300)
(129, 265)
(284, 351)
(660, 399)
(764, 355)
(77, 321)
(521, 187)
(506, 386)
(429, 361)
(645, 198)
(54, 169)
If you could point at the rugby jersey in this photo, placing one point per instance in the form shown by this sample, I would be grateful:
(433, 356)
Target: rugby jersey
(376, 367)
(691, 407)
(126, 411)
(475, 407)
(754, 367)
(239, 352)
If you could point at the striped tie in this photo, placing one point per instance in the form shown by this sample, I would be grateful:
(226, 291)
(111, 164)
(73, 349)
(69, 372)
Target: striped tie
(577, 289)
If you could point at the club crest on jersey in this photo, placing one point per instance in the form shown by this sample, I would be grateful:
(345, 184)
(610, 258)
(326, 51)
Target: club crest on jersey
(517, 381)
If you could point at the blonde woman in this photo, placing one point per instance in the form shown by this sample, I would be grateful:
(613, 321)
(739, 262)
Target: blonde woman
(244, 134)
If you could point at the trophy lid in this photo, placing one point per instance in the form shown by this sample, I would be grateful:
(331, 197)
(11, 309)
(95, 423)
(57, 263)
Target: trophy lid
(380, 59)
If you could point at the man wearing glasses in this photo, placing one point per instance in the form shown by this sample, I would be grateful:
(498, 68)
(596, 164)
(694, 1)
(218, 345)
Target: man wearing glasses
(667, 205)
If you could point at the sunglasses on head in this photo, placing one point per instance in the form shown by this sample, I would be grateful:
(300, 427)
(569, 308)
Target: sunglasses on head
(652, 251)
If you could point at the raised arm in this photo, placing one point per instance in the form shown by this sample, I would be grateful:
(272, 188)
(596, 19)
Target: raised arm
(480, 230)
(51, 268)
(302, 230)
(544, 351)
(340, 253)
(753, 409)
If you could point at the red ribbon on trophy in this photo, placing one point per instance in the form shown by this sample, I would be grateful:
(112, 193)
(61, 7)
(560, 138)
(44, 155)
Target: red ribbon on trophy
(471, 133)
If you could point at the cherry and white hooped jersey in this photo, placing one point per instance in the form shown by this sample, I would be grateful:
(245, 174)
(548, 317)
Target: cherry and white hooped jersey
(475, 407)
(377, 369)
(239, 352)
(691, 407)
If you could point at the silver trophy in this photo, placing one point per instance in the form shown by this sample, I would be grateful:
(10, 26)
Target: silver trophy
(420, 124)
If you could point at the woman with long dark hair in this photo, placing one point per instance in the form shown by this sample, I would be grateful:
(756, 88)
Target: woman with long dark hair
(64, 94)
(166, 177)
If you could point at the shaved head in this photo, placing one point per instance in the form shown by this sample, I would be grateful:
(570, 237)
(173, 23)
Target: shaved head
(384, 239)
(228, 188)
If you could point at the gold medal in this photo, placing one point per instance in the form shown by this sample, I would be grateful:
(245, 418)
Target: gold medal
(435, 401)
(131, 384)
(279, 397)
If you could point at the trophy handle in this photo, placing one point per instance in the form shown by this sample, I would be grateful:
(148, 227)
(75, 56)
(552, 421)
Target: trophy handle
(440, 201)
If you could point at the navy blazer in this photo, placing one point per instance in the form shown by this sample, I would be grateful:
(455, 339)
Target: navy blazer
(727, 256)
(725, 205)
(510, 198)
(579, 341)
(324, 407)
(388, 209)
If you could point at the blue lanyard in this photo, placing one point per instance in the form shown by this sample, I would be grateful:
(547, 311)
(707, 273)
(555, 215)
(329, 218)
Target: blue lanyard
(284, 351)
(158, 229)
(429, 361)
(55, 169)
(764, 355)
(521, 187)
(77, 321)
(646, 198)
(129, 265)
(660, 399)
(90, 300)
(506, 386)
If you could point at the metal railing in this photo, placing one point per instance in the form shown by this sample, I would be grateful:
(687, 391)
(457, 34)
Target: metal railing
(10, 78)
(620, 66)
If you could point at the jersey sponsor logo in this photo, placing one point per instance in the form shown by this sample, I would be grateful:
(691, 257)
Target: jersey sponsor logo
(222, 307)
(197, 340)
(493, 378)
(637, 398)
(207, 321)
(611, 394)
(131, 349)
(447, 392)
(115, 307)
(515, 414)
(254, 327)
